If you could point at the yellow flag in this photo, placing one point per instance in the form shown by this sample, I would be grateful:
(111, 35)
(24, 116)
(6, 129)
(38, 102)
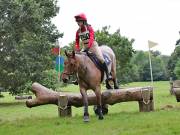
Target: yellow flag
(151, 44)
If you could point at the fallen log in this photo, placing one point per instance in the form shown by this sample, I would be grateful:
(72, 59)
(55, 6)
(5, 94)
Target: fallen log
(144, 95)
(22, 97)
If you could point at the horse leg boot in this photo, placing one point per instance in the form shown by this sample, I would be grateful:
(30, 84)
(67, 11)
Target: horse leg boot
(86, 114)
(85, 102)
(109, 77)
(115, 84)
(75, 82)
(100, 112)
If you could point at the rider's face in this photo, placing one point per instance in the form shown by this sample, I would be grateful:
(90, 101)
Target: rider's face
(80, 23)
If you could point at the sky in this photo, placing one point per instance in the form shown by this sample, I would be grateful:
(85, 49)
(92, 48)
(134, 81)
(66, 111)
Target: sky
(142, 20)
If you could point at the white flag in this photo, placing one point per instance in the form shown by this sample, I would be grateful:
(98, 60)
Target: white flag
(151, 44)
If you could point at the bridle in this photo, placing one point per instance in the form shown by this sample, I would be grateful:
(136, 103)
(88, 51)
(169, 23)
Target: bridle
(68, 74)
(74, 72)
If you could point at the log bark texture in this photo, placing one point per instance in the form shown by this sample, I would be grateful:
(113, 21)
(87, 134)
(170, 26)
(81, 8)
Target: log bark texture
(47, 96)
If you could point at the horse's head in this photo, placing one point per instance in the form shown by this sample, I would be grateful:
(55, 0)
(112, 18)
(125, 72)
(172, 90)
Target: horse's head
(70, 66)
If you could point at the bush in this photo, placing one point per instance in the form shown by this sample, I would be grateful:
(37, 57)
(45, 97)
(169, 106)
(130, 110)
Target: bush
(1, 96)
(177, 69)
(49, 79)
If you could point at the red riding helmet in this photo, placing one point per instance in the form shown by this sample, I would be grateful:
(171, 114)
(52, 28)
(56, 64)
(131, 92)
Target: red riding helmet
(81, 16)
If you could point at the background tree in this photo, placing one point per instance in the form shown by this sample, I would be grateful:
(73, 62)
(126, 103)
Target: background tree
(141, 61)
(172, 62)
(26, 38)
(122, 48)
(177, 69)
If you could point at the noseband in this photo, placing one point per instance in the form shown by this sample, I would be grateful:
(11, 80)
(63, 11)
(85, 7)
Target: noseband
(68, 74)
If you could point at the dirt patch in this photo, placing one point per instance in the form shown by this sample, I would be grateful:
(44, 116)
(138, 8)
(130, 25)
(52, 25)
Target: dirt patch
(167, 107)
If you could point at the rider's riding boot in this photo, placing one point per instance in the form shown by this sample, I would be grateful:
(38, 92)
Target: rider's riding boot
(75, 82)
(109, 77)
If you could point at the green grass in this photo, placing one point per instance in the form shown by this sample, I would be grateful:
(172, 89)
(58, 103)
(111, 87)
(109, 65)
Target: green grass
(123, 118)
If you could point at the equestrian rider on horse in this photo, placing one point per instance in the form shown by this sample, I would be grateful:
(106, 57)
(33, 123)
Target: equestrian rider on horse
(86, 34)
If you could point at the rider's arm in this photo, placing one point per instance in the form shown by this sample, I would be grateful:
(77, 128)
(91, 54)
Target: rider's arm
(91, 36)
(77, 42)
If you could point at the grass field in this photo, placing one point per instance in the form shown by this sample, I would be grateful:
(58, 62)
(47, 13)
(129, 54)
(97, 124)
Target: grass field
(123, 118)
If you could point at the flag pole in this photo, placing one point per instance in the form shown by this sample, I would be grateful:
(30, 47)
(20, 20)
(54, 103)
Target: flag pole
(150, 67)
(151, 45)
(57, 44)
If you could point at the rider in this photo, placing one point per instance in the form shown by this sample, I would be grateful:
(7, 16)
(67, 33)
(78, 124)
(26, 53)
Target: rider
(86, 34)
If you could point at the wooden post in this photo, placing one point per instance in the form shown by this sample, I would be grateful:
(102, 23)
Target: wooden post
(147, 104)
(171, 86)
(63, 108)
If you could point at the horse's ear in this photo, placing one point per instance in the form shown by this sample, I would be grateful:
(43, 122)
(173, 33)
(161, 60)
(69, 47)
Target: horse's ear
(73, 54)
(66, 53)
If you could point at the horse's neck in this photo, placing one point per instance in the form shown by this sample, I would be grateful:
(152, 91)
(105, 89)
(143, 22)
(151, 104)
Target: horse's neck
(83, 62)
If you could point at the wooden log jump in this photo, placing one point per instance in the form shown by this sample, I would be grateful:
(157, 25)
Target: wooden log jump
(144, 96)
(175, 88)
(23, 97)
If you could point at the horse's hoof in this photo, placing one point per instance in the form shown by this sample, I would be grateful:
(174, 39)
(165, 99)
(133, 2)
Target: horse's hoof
(116, 87)
(105, 109)
(95, 110)
(108, 87)
(86, 118)
(101, 117)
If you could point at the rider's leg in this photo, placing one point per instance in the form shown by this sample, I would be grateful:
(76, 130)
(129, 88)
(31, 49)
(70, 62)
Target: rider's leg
(95, 49)
(109, 77)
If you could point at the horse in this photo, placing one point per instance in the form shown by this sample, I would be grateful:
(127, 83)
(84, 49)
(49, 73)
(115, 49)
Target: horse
(89, 76)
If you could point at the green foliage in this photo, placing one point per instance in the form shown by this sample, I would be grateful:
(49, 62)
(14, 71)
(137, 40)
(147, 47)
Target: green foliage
(172, 62)
(141, 62)
(122, 48)
(26, 38)
(177, 69)
(140, 59)
(49, 78)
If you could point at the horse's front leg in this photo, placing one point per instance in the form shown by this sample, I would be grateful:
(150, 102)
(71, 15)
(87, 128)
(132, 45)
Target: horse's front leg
(85, 102)
(99, 104)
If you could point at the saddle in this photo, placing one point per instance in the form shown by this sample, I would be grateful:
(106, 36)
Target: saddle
(98, 64)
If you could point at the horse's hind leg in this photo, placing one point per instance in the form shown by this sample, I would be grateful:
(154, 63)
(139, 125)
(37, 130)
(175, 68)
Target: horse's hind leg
(99, 105)
(85, 102)
(116, 86)
(108, 86)
(113, 72)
